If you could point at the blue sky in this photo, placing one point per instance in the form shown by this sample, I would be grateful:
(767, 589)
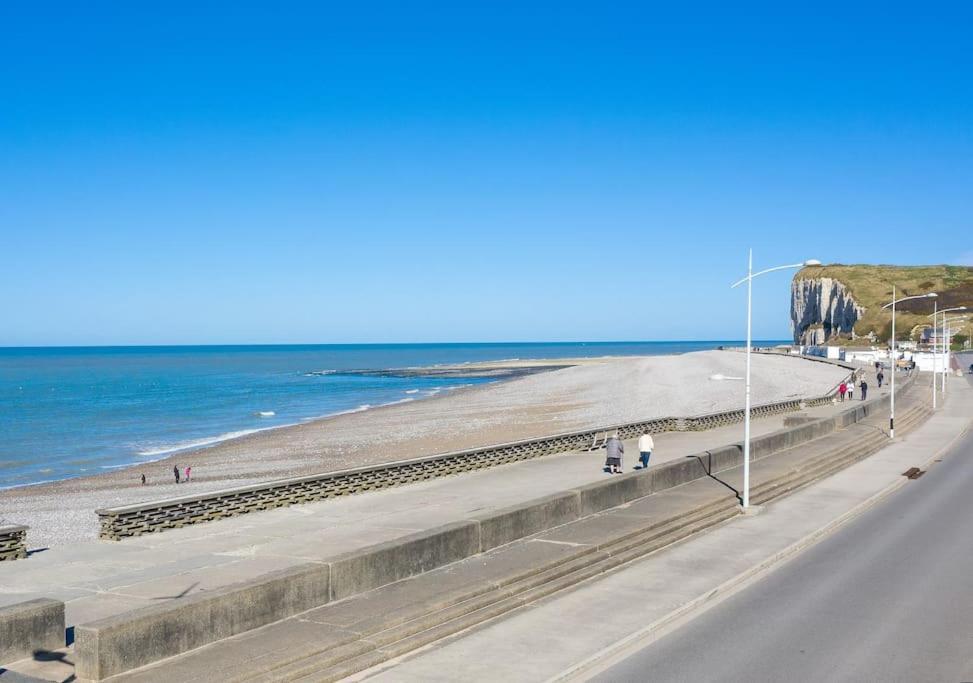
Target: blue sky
(236, 173)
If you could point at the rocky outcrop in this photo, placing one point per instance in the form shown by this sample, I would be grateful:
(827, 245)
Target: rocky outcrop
(822, 309)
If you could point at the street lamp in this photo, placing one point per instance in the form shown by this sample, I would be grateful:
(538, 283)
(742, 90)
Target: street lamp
(947, 323)
(930, 295)
(746, 415)
(942, 329)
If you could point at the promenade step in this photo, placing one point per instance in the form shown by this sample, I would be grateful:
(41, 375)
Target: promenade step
(365, 630)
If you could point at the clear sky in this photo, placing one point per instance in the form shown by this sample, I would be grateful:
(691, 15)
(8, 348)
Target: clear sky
(363, 172)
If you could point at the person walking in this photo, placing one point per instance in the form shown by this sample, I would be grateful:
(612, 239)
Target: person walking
(188, 470)
(615, 449)
(143, 478)
(646, 444)
(864, 388)
(175, 472)
(842, 390)
(880, 377)
(851, 389)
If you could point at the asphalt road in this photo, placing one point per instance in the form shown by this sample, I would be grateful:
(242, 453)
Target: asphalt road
(889, 597)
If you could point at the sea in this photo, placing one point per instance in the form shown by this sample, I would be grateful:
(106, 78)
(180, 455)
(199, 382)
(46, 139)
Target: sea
(69, 412)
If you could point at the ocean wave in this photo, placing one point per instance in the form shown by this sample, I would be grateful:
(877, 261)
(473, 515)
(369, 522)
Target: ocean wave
(319, 373)
(412, 391)
(265, 413)
(168, 449)
(30, 483)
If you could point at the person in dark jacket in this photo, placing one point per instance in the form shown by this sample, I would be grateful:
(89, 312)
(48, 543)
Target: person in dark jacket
(175, 471)
(864, 388)
(880, 376)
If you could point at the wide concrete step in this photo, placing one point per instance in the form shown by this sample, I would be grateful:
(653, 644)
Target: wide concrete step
(404, 639)
(509, 594)
(826, 466)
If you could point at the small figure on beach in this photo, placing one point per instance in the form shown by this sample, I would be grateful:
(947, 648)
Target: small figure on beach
(615, 449)
(864, 388)
(143, 478)
(188, 470)
(880, 377)
(175, 472)
(646, 444)
(851, 390)
(842, 390)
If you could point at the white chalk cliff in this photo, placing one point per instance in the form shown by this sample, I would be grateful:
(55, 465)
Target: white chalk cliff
(822, 309)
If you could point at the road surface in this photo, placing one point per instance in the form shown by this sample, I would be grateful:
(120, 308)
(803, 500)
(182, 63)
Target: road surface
(889, 597)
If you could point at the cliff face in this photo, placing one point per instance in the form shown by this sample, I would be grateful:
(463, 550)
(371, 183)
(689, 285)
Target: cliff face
(822, 308)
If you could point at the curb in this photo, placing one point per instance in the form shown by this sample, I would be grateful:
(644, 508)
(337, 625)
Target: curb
(656, 629)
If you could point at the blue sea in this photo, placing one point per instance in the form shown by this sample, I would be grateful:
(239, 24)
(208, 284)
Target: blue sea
(67, 412)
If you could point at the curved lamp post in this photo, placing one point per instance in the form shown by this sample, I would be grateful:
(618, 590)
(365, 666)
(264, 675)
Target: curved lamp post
(930, 295)
(746, 415)
(935, 350)
(947, 326)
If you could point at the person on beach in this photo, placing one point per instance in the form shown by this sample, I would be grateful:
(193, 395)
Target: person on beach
(842, 390)
(175, 472)
(851, 390)
(646, 444)
(880, 376)
(143, 478)
(188, 470)
(615, 449)
(864, 388)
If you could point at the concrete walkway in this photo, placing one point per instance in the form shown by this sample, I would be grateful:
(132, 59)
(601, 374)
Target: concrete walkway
(576, 634)
(102, 578)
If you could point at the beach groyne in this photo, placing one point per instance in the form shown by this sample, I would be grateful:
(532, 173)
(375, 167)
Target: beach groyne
(117, 523)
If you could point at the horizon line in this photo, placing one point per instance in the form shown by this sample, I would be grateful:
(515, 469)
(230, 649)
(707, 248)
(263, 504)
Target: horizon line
(437, 343)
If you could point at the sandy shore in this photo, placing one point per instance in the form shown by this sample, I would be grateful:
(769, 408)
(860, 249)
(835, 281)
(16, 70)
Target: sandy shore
(593, 393)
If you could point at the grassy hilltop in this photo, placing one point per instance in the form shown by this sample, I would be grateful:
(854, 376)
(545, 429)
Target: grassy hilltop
(871, 287)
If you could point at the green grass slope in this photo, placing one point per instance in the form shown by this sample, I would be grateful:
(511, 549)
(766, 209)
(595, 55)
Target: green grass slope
(871, 287)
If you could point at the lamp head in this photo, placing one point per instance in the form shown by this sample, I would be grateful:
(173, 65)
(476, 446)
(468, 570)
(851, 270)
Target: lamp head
(812, 262)
(931, 295)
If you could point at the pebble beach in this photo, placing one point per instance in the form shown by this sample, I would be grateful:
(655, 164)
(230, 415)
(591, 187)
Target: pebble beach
(590, 393)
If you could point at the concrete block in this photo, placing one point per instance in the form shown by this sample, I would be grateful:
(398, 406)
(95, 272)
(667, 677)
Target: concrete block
(381, 564)
(676, 473)
(29, 627)
(610, 493)
(509, 524)
(111, 646)
(722, 458)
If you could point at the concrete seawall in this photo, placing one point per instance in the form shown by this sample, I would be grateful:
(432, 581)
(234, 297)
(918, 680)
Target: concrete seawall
(31, 627)
(110, 646)
(134, 520)
(13, 542)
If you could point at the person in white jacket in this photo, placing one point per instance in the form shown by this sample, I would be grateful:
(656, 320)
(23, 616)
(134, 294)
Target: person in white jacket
(646, 444)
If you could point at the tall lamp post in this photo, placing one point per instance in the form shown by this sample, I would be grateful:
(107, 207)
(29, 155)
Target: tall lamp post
(746, 415)
(892, 303)
(935, 353)
(947, 326)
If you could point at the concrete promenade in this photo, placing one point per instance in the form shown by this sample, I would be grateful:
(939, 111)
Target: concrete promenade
(97, 579)
(577, 634)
